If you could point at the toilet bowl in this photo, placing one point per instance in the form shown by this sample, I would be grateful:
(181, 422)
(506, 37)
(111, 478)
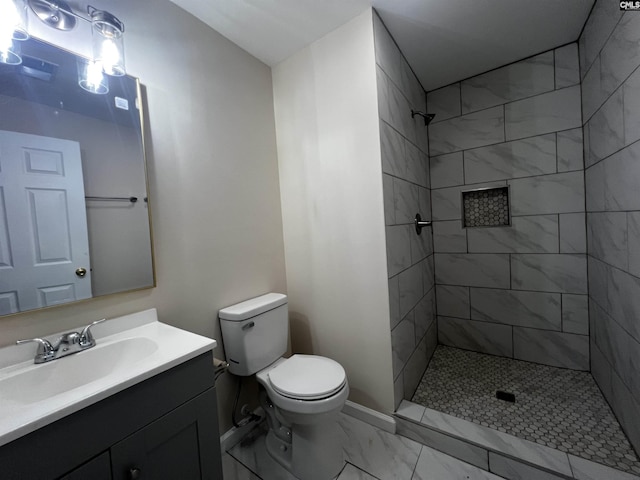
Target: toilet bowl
(301, 395)
(305, 395)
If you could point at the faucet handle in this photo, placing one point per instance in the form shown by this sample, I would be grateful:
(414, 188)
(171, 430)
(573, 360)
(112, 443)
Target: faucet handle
(86, 338)
(45, 350)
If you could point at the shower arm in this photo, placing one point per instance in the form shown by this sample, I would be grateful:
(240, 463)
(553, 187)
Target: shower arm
(426, 116)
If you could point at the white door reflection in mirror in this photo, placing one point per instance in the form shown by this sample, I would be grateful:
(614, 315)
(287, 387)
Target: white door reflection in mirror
(43, 223)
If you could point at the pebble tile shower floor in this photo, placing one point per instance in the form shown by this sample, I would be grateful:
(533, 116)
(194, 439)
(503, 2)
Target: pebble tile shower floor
(560, 408)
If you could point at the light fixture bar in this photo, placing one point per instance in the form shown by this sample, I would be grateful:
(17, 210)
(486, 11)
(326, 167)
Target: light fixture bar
(106, 32)
(55, 13)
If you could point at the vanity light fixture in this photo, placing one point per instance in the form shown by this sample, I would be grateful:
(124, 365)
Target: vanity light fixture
(108, 42)
(107, 39)
(91, 78)
(13, 27)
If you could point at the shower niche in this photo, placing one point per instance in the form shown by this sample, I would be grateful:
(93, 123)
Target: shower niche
(486, 207)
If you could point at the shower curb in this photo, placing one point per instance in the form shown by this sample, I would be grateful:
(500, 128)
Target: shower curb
(500, 453)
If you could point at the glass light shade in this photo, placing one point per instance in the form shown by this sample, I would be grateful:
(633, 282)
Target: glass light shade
(91, 78)
(10, 52)
(13, 20)
(108, 42)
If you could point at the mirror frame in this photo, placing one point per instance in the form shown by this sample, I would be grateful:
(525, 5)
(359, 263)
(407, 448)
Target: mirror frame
(143, 113)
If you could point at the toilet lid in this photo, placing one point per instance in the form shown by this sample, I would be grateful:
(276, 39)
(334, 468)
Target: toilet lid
(307, 377)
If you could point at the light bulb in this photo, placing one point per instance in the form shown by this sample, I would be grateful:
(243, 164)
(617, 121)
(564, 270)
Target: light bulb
(13, 21)
(94, 74)
(108, 42)
(8, 21)
(109, 56)
(91, 78)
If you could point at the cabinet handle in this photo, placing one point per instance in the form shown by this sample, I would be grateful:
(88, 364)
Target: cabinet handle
(135, 474)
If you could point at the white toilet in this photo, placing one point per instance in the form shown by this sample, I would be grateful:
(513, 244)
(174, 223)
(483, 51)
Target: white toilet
(302, 394)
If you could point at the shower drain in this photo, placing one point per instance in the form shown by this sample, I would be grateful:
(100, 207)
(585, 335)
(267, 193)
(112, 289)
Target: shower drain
(506, 396)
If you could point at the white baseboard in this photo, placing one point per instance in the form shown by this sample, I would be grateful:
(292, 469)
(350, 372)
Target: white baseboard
(372, 417)
(232, 436)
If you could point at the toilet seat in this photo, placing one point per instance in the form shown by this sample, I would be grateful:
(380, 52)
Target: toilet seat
(307, 377)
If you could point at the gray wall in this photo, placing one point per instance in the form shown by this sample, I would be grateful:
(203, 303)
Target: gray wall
(610, 56)
(405, 178)
(330, 170)
(213, 179)
(516, 291)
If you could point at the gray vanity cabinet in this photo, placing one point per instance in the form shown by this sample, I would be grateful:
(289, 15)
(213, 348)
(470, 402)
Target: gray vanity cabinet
(164, 428)
(177, 446)
(97, 469)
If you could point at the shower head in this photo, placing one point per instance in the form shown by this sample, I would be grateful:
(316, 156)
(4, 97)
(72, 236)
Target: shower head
(427, 116)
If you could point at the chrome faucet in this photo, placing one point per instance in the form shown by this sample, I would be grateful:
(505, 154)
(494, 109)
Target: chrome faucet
(67, 344)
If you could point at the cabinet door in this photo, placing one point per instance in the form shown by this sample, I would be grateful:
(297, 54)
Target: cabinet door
(97, 469)
(183, 444)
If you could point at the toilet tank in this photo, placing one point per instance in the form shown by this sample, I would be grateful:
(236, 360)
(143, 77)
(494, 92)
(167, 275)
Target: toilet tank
(255, 332)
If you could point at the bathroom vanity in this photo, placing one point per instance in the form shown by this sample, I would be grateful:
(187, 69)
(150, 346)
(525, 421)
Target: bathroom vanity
(157, 425)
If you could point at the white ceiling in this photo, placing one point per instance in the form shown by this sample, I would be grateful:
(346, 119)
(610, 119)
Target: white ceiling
(443, 40)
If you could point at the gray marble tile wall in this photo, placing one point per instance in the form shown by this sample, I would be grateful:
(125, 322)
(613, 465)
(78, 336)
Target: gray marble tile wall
(517, 291)
(406, 190)
(610, 68)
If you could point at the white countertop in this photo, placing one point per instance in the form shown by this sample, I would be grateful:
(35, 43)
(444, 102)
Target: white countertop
(159, 348)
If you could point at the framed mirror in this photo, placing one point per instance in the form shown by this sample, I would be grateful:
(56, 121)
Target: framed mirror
(74, 216)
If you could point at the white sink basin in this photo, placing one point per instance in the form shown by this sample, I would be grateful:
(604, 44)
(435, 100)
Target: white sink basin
(35, 383)
(129, 350)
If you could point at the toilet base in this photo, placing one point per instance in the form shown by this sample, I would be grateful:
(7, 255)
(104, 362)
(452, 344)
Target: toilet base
(314, 453)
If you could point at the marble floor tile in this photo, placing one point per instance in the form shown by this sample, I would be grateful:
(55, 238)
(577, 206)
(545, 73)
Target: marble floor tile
(234, 470)
(514, 470)
(434, 465)
(351, 472)
(252, 453)
(558, 408)
(373, 454)
(530, 452)
(442, 442)
(586, 470)
(410, 410)
(381, 454)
